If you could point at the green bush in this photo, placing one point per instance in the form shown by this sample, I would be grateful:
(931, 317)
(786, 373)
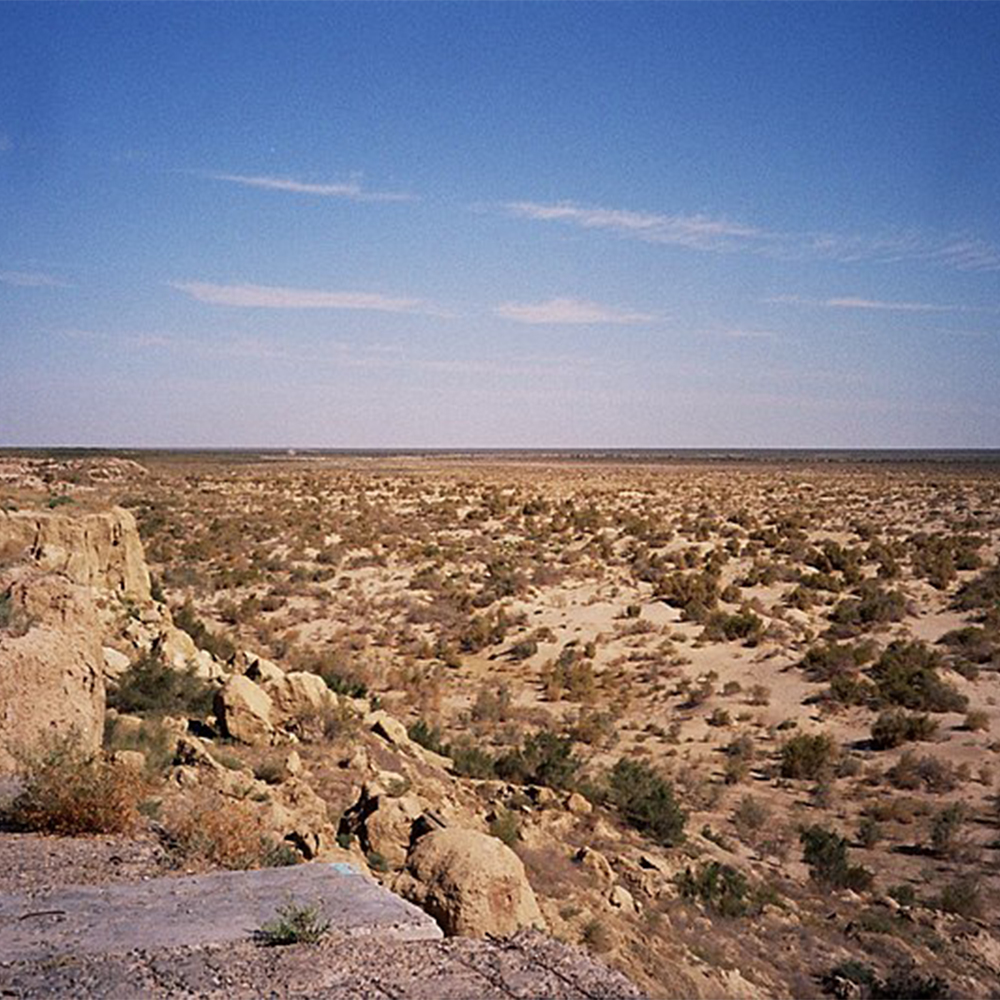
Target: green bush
(848, 689)
(981, 593)
(218, 645)
(523, 650)
(906, 675)
(833, 659)
(853, 971)
(723, 890)
(295, 924)
(962, 897)
(345, 684)
(152, 739)
(470, 761)
(946, 827)
(695, 593)
(895, 726)
(725, 627)
(646, 801)
(506, 827)
(825, 852)
(872, 606)
(739, 756)
(750, 817)
(930, 773)
(972, 644)
(901, 983)
(869, 831)
(544, 759)
(810, 757)
(428, 736)
(149, 687)
(908, 984)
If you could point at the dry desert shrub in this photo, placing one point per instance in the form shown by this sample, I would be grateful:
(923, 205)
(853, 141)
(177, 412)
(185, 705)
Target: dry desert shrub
(896, 726)
(217, 831)
(751, 818)
(929, 773)
(70, 790)
(977, 720)
(809, 756)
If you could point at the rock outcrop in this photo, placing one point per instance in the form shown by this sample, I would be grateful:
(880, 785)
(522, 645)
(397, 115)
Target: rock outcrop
(471, 883)
(95, 549)
(245, 711)
(52, 674)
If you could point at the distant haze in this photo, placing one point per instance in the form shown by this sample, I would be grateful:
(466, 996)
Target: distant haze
(500, 225)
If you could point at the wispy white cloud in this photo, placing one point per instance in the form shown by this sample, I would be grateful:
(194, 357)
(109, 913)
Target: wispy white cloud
(351, 190)
(698, 232)
(718, 234)
(31, 279)
(568, 311)
(276, 297)
(960, 252)
(878, 305)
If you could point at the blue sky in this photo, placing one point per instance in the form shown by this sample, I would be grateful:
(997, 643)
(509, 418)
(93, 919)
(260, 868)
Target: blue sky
(510, 225)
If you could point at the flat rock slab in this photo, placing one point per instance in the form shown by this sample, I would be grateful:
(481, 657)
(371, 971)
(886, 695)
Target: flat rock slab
(528, 966)
(200, 910)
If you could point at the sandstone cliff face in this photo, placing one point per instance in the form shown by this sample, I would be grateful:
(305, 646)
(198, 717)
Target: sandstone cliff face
(51, 677)
(100, 549)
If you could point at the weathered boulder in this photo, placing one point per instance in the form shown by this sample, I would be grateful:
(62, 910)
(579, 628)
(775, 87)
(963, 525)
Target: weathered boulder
(471, 883)
(257, 668)
(189, 751)
(383, 823)
(389, 728)
(296, 814)
(621, 899)
(595, 862)
(95, 549)
(115, 663)
(388, 828)
(175, 646)
(299, 695)
(52, 675)
(245, 711)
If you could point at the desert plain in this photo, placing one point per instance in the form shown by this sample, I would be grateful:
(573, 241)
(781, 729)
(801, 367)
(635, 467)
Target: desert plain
(737, 719)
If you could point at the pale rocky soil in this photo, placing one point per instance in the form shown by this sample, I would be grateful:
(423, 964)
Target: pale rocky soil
(376, 566)
(339, 968)
(529, 965)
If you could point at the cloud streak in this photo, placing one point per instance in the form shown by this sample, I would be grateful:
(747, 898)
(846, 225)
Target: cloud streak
(30, 279)
(699, 232)
(277, 297)
(350, 190)
(877, 305)
(568, 311)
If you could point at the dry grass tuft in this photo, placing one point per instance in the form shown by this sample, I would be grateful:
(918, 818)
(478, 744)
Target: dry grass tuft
(69, 790)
